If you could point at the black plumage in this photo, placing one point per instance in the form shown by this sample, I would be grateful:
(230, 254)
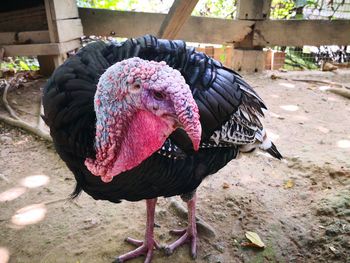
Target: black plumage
(218, 91)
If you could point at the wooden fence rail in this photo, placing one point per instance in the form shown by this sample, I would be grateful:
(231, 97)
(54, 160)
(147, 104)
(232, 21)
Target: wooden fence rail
(219, 31)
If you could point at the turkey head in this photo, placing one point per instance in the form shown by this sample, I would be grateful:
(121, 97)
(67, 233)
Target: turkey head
(138, 104)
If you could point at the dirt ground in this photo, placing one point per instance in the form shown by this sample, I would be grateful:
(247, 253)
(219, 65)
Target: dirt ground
(300, 207)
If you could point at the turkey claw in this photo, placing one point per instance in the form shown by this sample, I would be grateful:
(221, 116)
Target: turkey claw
(144, 249)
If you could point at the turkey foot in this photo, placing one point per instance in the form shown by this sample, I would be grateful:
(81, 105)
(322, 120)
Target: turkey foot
(187, 235)
(145, 248)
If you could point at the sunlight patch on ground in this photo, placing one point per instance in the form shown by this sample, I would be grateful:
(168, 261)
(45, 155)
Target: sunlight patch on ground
(300, 117)
(334, 99)
(29, 215)
(274, 96)
(34, 181)
(322, 129)
(286, 84)
(343, 144)
(12, 194)
(275, 115)
(4, 255)
(289, 107)
(323, 88)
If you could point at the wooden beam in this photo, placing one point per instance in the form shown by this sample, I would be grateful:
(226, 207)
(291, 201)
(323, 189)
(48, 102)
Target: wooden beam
(64, 9)
(102, 22)
(50, 10)
(69, 29)
(302, 32)
(67, 46)
(40, 49)
(30, 19)
(247, 57)
(49, 63)
(62, 30)
(253, 9)
(29, 37)
(248, 60)
(178, 14)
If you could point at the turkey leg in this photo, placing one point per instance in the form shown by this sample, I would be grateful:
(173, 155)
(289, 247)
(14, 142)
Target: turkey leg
(189, 234)
(144, 247)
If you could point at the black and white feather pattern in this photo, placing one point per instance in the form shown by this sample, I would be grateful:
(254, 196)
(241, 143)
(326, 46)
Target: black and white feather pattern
(229, 114)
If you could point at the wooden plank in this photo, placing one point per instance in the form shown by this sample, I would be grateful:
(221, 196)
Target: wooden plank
(178, 14)
(49, 63)
(63, 9)
(30, 19)
(132, 24)
(69, 29)
(218, 31)
(301, 32)
(65, 47)
(40, 49)
(52, 25)
(248, 60)
(62, 30)
(31, 50)
(29, 37)
(253, 9)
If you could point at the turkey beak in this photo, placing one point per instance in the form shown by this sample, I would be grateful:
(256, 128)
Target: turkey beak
(188, 116)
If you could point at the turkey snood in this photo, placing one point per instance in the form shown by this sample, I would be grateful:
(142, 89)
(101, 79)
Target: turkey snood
(138, 104)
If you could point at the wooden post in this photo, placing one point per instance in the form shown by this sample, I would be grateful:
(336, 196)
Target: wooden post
(246, 56)
(178, 14)
(64, 25)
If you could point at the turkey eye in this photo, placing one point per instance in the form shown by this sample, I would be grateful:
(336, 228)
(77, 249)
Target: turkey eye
(135, 88)
(158, 95)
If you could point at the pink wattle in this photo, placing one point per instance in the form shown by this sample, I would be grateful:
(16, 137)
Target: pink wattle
(146, 134)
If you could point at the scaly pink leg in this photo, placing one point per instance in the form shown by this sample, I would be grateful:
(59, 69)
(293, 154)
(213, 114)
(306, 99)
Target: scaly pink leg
(144, 247)
(189, 234)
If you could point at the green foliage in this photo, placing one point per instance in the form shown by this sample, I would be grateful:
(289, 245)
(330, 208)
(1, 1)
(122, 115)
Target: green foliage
(216, 8)
(158, 6)
(209, 8)
(282, 9)
(299, 60)
(19, 64)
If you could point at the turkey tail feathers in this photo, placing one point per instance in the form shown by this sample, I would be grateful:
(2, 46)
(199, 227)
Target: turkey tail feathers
(274, 152)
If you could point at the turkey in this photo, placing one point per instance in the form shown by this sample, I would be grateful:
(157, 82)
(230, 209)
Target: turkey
(149, 117)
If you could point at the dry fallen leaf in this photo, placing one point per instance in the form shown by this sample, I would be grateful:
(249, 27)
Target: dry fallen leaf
(288, 184)
(225, 185)
(249, 244)
(255, 239)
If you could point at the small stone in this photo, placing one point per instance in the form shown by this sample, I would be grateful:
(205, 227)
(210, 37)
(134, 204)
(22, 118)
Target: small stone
(6, 139)
(230, 204)
(345, 243)
(332, 231)
(219, 215)
(161, 213)
(215, 259)
(205, 229)
(216, 207)
(303, 196)
(219, 247)
(162, 236)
